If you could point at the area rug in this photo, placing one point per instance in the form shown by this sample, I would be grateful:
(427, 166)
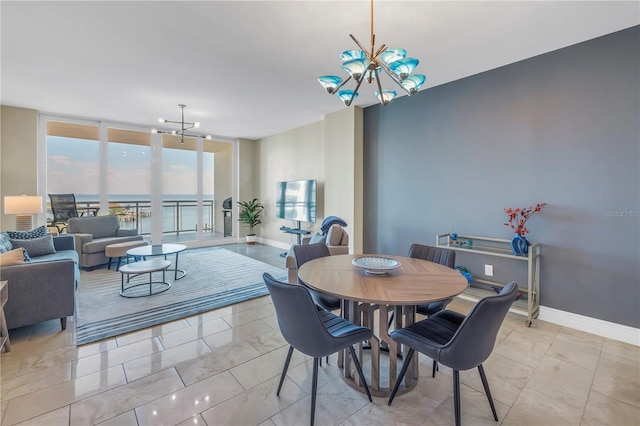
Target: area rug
(216, 277)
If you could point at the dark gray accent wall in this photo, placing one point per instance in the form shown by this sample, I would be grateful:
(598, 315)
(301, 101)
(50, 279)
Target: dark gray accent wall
(561, 128)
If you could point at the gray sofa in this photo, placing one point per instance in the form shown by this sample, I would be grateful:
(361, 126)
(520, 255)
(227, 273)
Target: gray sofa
(44, 288)
(93, 234)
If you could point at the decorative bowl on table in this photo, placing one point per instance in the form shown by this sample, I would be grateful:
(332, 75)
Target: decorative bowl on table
(376, 265)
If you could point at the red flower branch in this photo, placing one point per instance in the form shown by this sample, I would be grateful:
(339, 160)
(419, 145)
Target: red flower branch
(518, 217)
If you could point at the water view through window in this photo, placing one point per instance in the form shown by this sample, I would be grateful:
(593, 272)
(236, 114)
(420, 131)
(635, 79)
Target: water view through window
(74, 164)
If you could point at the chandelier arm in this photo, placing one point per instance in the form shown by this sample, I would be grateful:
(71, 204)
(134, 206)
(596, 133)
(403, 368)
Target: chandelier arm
(393, 76)
(380, 50)
(355, 91)
(179, 133)
(364, 49)
(182, 123)
(341, 84)
(379, 87)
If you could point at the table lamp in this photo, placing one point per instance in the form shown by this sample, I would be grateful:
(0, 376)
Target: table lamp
(23, 207)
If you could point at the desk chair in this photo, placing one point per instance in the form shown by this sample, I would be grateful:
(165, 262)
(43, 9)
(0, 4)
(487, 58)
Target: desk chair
(458, 342)
(312, 330)
(63, 208)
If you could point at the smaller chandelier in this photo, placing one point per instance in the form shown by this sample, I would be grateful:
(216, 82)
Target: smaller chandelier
(365, 65)
(184, 126)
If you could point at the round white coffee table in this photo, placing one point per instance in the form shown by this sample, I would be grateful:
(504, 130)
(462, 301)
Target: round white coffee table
(144, 267)
(161, 250)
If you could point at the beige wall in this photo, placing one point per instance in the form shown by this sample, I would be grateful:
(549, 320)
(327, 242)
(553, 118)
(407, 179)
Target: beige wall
(18, 157)
(248, 169)
(329, 151)
(222, 187)
(343, 175)
(297, 154)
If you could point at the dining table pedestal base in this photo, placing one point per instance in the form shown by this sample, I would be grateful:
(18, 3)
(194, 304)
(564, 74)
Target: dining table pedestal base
(382, 357)
(369, 299)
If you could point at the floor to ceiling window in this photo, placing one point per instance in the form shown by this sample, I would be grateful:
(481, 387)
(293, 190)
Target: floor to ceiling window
(115, 174)
(73, 161)
(180, 185)
(129, 177)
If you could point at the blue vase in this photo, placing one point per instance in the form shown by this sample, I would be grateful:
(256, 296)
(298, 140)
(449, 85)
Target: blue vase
(520, 245)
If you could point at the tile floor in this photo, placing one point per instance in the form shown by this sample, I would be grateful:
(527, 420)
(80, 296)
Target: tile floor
(222, 368)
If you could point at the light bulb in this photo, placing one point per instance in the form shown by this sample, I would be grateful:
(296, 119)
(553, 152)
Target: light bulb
(196, 124)
(162, 120)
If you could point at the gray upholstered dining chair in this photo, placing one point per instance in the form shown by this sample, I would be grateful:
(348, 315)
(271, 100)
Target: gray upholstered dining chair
(457, 341)
(312, 330)
(439, 255)
(306, 252)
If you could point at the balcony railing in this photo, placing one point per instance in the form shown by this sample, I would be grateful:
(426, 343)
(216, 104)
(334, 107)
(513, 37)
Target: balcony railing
(177, 215)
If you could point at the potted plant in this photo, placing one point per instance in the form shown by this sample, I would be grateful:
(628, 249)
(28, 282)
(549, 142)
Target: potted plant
(250, 212)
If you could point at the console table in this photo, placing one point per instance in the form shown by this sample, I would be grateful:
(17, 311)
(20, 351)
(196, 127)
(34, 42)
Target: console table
(500, 248)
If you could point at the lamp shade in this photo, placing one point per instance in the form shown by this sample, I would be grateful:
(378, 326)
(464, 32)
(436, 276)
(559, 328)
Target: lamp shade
(392, 55)
(22, 204)
(329, 82)
(413, 83)
(403, 67)
(347, 96)
(356, 67)
(352, 54)
(386, 96)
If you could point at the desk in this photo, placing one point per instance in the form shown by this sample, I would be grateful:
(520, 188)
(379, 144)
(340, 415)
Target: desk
(415, 282)
(299, 232)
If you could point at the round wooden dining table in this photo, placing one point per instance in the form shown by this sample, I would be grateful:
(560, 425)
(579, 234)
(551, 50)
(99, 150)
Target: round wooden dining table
(367, 300)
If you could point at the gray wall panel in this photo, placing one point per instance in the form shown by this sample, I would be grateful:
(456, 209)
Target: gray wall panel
(561, 128)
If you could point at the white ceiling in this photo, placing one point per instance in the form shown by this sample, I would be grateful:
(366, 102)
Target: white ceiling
(248, 69)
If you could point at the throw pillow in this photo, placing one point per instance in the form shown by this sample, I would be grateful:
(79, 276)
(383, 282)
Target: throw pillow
(38, 232)
(11, 257)
(36, 246)
(317, 238)
(5, 244)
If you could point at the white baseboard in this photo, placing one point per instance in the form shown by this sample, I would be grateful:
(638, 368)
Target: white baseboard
(595, 326)
(274, 243)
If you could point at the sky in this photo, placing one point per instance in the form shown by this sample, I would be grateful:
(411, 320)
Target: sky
(73, 167)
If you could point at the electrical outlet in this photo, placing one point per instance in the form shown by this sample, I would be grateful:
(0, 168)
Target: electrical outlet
(488, 270)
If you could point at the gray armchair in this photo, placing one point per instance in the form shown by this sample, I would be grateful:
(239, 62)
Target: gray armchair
(336, 239)
(94, 234)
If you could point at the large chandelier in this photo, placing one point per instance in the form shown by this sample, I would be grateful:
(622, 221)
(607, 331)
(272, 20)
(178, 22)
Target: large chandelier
(365, 65)
(184, 126)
